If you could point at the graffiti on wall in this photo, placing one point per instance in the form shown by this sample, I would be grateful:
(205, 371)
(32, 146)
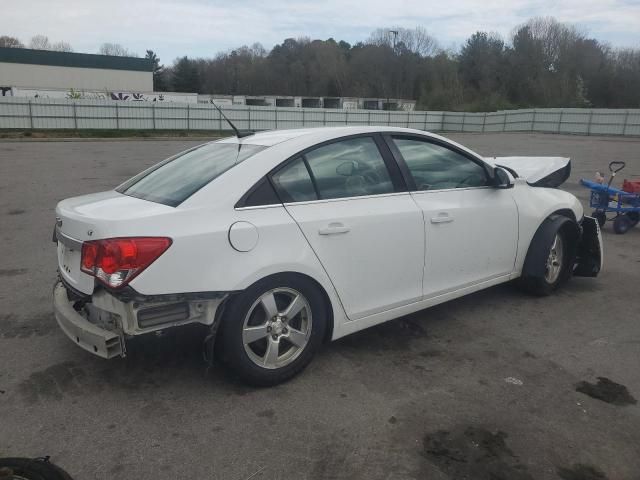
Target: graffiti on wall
(77, 94)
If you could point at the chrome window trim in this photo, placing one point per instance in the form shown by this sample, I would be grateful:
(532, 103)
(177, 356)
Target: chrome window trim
(359, 197)
(453, 189)
(257, 207)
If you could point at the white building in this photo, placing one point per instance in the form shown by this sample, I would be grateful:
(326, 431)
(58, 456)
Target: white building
(23, 69)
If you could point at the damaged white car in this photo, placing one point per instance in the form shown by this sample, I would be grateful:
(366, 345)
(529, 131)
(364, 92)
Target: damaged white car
(279, 241)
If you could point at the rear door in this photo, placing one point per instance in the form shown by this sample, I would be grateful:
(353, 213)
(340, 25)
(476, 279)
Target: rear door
(348, 199)
(471, 228)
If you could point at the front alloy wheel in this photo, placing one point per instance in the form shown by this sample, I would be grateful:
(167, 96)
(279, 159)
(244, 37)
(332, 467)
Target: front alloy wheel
(555, 260)
(549, 256)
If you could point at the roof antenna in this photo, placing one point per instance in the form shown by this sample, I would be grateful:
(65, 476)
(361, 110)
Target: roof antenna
(239, 133)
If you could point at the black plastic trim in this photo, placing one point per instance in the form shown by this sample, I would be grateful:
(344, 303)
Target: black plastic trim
(263, 183)
(129, 294)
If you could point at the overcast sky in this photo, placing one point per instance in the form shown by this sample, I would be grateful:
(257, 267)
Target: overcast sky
(201, 28)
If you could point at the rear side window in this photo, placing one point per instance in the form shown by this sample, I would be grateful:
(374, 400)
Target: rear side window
(349, 168)
(294, 182)
(173, 181)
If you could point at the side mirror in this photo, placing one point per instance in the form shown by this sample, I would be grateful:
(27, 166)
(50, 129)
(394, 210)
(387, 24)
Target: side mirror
(501, 178)
(346, 169)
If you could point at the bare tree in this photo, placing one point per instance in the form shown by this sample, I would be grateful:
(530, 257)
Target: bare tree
(62, 46)
(115, 50)
(40, 42)
(416, 40)
(10, 42)
(423, 44)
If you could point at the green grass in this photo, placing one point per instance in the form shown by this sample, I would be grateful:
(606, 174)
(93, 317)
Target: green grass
(64, 133)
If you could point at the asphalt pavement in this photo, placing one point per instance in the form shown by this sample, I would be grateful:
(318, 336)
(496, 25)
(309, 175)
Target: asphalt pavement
(495, 385)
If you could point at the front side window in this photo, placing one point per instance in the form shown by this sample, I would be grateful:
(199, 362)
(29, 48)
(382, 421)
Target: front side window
(349, 168)
(434, 167)
(173, 181)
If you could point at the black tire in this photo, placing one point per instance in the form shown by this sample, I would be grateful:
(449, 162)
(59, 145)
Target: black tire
(634, 217)
(622, 224)
(534, 279)
(600, 217)
(31, 469)
(231, 340)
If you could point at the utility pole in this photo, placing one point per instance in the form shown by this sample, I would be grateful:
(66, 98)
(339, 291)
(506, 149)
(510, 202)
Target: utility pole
(395, 38)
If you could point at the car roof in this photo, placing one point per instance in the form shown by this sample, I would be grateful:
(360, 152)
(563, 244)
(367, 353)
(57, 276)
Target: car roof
(269, 138)
(281, 145)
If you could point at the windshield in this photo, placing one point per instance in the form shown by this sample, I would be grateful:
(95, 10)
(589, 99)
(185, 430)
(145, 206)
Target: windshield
(174, 180)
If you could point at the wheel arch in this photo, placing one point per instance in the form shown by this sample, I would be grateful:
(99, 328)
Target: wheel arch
(329, 307)
(563, 220)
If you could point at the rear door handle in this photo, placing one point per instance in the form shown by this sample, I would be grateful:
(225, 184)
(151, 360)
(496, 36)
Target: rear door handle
(443, 217)
(333, 229)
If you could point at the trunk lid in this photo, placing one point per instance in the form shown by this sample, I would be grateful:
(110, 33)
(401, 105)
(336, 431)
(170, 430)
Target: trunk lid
(92, 217)
(537, 171)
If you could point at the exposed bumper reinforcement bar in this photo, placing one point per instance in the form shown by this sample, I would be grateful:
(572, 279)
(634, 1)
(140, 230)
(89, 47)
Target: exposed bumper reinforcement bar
(92, 338)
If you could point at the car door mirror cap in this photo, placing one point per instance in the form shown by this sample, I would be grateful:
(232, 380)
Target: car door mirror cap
(502, 178)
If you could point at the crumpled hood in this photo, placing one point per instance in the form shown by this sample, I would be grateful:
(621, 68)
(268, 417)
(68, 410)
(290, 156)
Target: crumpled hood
(537, 171)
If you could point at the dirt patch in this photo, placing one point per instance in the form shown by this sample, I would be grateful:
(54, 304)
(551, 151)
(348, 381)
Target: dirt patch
(12, 326)
(16, 211)
(269, 413)
(474, 452)
(396, 335)
(607, 391)
(581, 472)
(12, 272)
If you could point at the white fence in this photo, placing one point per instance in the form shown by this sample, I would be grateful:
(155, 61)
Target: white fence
(21, 113)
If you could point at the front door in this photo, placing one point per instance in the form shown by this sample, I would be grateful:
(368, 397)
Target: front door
(368, 236)
(471, 228)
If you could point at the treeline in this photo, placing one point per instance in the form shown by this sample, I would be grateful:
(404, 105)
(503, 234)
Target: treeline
(545, 63)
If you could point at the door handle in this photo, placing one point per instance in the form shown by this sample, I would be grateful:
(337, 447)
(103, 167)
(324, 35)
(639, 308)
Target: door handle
(333, 229)
(443, 217)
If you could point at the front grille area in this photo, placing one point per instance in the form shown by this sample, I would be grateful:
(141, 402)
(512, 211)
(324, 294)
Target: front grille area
(152, 316)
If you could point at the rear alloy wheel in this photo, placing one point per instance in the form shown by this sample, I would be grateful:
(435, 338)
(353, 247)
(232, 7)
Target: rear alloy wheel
(271, 331)
(277, 328)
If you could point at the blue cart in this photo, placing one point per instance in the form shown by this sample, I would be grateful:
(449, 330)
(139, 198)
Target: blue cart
(606, 199)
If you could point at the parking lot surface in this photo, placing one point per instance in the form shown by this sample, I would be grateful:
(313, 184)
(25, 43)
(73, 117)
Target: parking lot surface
(480, 387)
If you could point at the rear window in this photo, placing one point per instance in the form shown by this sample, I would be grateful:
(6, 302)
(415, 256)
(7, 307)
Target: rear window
(174, 180)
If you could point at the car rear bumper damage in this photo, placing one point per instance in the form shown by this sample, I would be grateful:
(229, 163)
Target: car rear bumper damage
(101, 323)
(101, 342)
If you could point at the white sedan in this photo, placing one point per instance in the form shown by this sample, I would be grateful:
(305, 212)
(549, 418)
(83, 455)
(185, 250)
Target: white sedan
(279, 241)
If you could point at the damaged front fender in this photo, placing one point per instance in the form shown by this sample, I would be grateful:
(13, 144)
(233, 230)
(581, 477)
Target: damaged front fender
(589, 254)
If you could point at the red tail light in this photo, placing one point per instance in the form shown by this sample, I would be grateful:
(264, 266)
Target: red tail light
(116, 261)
